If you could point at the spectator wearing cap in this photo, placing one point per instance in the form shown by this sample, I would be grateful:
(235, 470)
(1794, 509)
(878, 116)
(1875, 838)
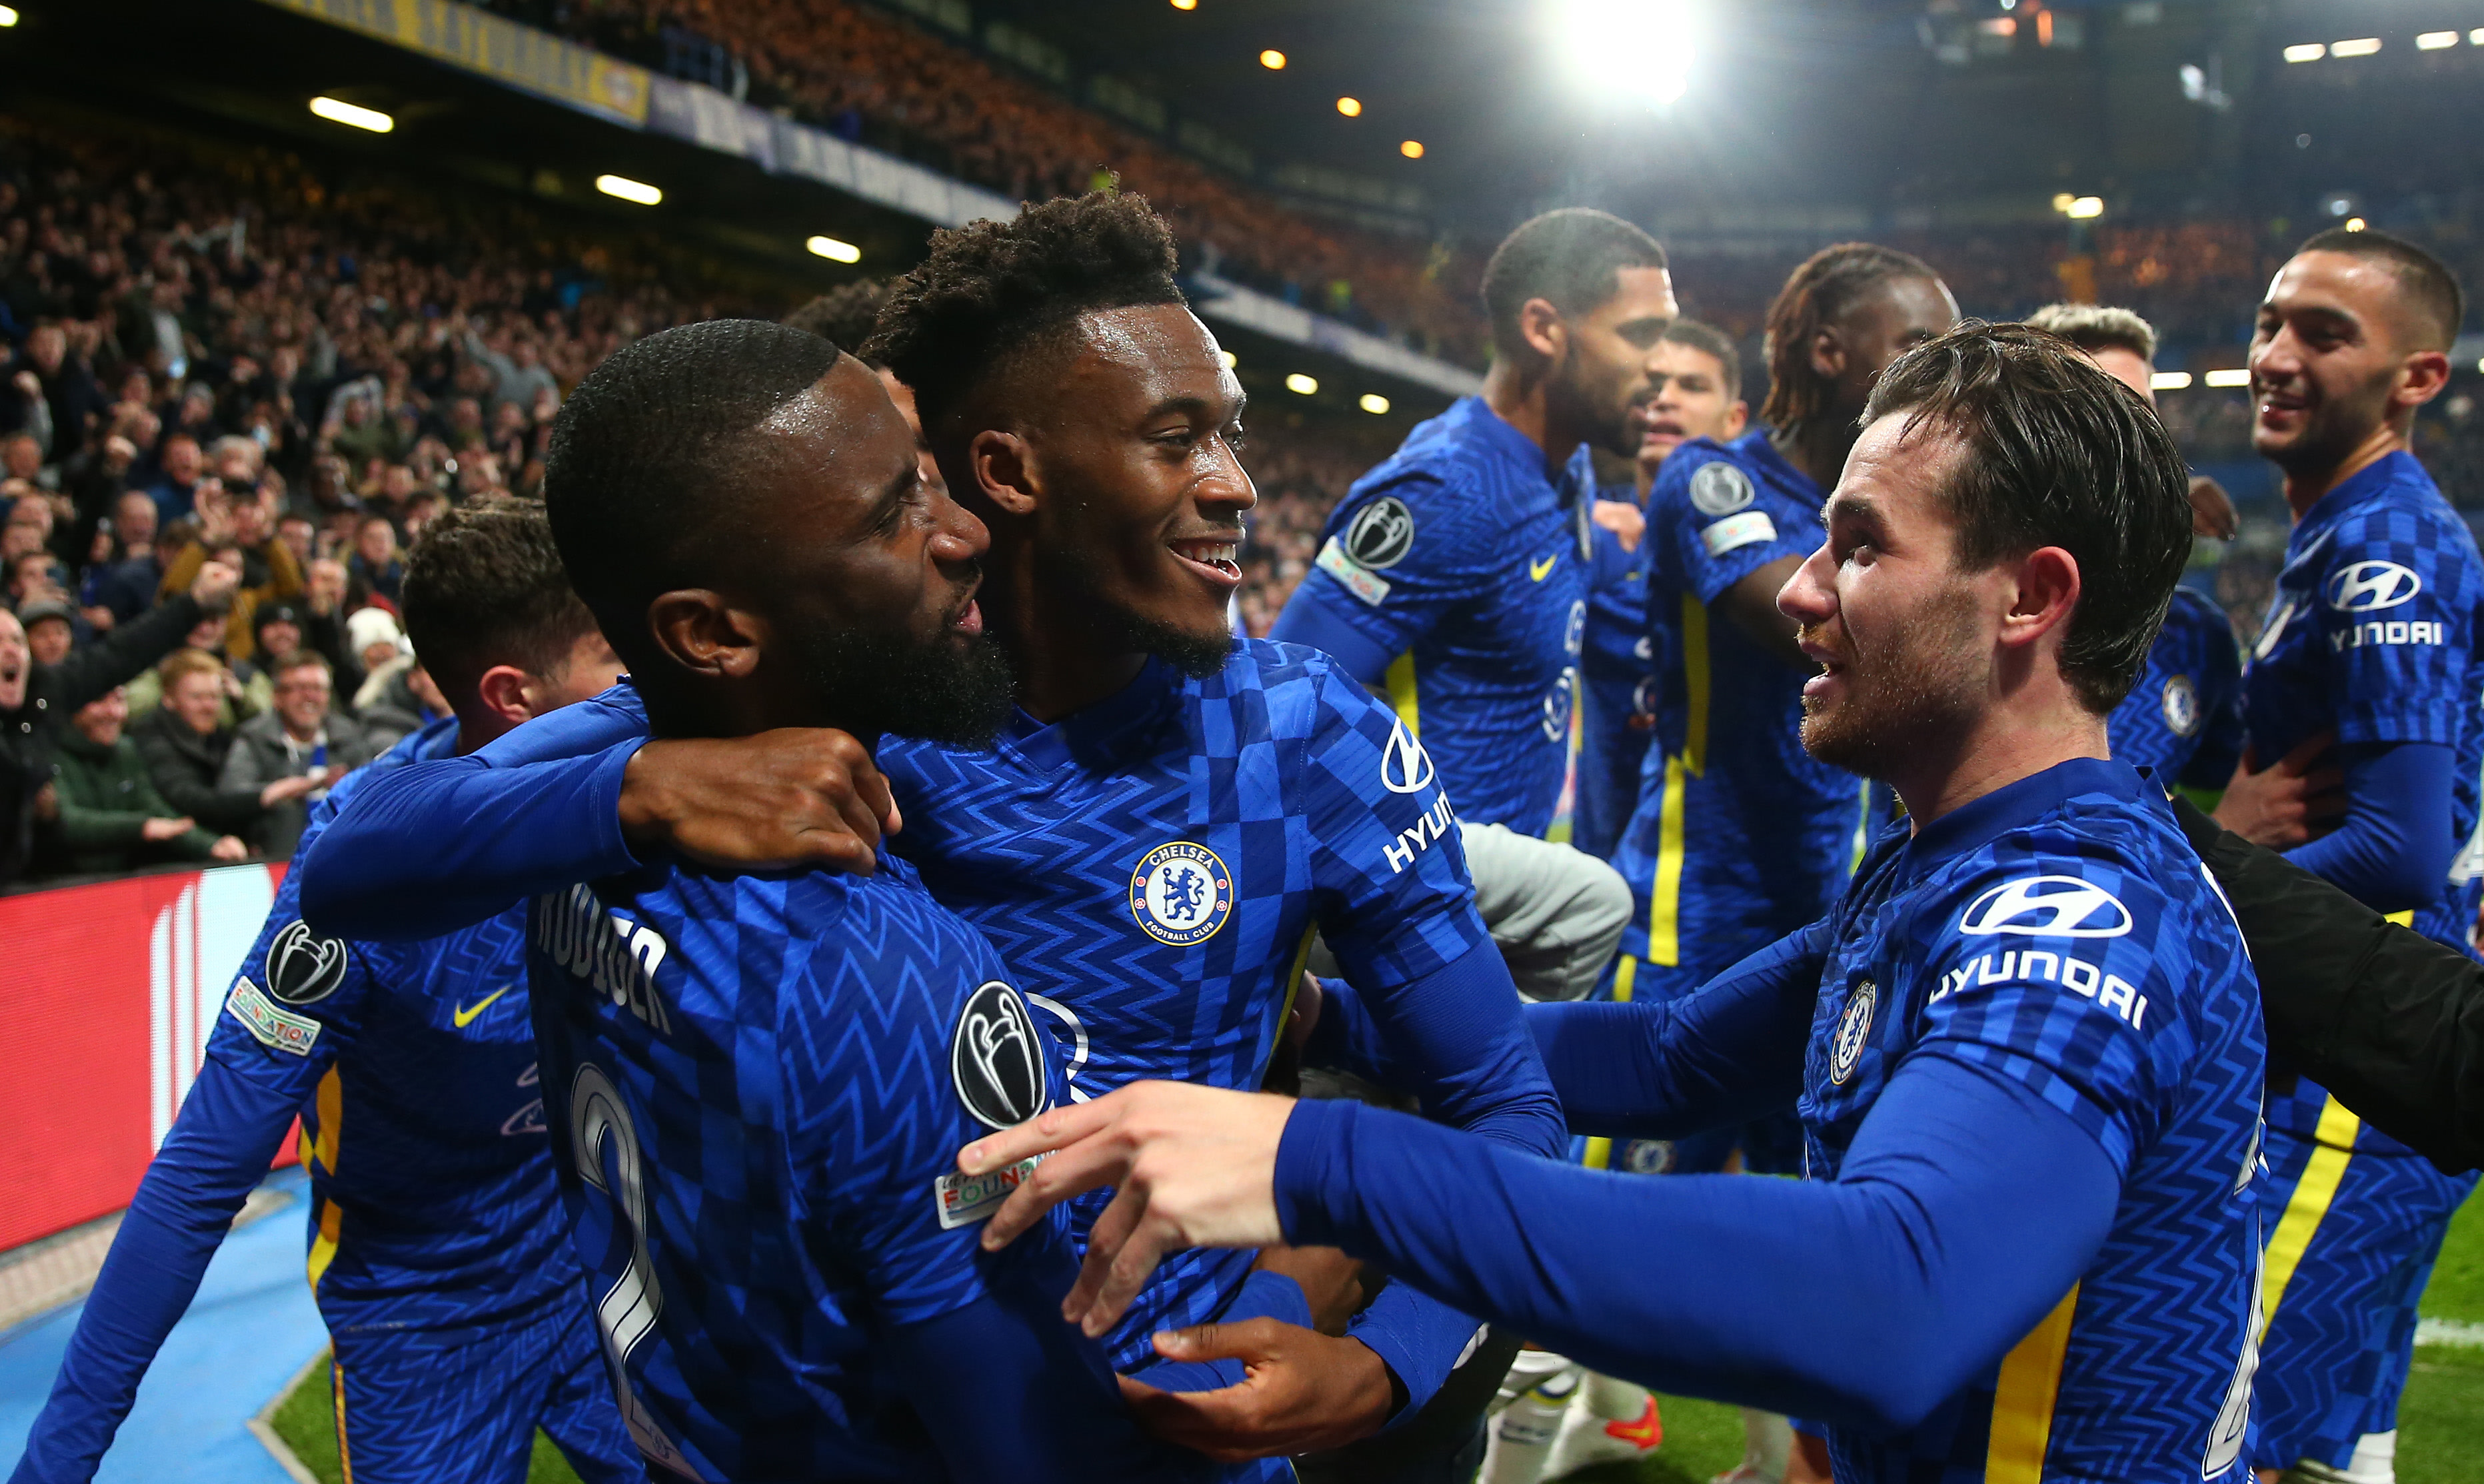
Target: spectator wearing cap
(186, 739)
(110, 816)
(37, 700)
(51, 629)
(302, 736)
(246, 524)
(375, 641)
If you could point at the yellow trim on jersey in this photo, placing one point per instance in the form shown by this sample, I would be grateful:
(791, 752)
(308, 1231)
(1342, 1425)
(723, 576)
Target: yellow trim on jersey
(337, 1395)
(1293, 986)
(331, 1116)
(1598, 1154)
(2405, 918)
(2022, 1403)
(1694, 675)
(1862, 826)
(323, 1248)
(1400, 683)
(2333, 1147)
(1664, 898)
(1625, 975)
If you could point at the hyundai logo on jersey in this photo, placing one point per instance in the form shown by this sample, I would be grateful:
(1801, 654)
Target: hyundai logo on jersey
(2051, 906)
(2368, 586)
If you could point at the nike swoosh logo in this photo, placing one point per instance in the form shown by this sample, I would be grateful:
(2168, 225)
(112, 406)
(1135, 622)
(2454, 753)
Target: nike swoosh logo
(1537, 570)
(466, 1018)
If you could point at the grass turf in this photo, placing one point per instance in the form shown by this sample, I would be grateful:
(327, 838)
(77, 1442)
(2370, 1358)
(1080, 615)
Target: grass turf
(2441, 1418)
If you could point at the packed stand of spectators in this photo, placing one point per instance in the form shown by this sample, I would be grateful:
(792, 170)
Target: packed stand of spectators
(1301, 471)
(233, 393)
(877, 79)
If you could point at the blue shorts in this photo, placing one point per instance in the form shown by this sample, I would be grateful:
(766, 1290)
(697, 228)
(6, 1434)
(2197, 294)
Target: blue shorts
(2342, 1273)
(461, 1406)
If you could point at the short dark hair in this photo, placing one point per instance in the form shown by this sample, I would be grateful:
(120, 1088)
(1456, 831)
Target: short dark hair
(639, 478)
(2095, 327)
(844, 315)
(2057, 453)
(484, 586)
(1817, 294)
(992, 291)
(2427, 280)
(1572, 258)
(1713, 342)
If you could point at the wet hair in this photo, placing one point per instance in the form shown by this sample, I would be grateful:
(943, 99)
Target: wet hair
(991, 295)
(2095, 327)
(484, 586)
(844, 315)
(2055, 453)
(642, 482)
(1817, 295)
(1714, 343)
(1571, 258)
(2430, 288)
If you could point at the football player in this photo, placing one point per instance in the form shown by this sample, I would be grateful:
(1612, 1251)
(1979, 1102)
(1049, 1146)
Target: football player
(1162, 823)
(438, 1257)
(2367, 670)
(2026, 1039)
(2183, 719)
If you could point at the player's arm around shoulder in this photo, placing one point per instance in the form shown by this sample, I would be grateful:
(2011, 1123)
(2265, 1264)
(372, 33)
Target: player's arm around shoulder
(2090, 966)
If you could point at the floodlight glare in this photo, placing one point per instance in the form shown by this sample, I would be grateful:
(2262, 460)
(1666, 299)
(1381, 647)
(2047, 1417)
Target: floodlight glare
(1350, 107)
(2356, 224)
(338, 111)
(2359, 46)
(2308, 51)
(1298, 382)
(1186, 5)
(1272, 60)
(2435, 40)
(628, 189)
(1228, 357)
(2084, 207)
(2169, 381)
(1412, 148)
(2061, 201)
(1373, 402)
(8, 16)
(2236, 377)
(835, 250)
(2475, 38)
(1635, 48)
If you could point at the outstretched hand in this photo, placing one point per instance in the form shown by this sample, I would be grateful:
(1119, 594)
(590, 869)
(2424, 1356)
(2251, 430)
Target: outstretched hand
(1302, 1391)
(770, 801)
(2288, 803)
(1195, 1167)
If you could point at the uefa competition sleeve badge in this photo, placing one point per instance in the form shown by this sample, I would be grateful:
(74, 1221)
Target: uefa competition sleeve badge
(1181, 894)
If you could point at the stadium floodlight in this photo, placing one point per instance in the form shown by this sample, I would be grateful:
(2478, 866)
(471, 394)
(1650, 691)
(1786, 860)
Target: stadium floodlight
(2308, 51)
(834, 250)
(2435, 40)
(628, 189)
(2237, 376)
(1272, 60)
(1352, 108)
(2061, 201)
(2358, 47)
(2084, 207)
(1186, 5)
(2169, 381)
(338, 111)
(2356, 224)
(1298, 382)
(8, 16)
(2475, 38)
(1372, 402)
(1230, 358)
(1412, 148)
(1635, 49)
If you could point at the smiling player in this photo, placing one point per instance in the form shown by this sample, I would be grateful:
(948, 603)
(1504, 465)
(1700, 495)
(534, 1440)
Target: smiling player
(2369, 664)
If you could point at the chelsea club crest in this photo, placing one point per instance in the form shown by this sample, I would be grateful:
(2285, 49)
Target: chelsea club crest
(1853, 1033)
(1181, 894)
(2181, 706)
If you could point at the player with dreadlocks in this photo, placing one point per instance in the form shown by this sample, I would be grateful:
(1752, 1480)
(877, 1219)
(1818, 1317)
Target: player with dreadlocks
(1163, 823)
(1740, 836)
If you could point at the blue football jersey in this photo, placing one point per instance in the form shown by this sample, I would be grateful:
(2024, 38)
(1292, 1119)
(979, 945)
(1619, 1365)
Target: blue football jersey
(2373, 634)
(2060, 933)
(2183, 718)
(1740, 836)
(1461, 558)
(758, 1086)
(1153, 867)
(1617, 669)
(433, 1203)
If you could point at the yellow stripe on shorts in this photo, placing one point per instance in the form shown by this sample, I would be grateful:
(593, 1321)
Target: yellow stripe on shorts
(2333, 1147)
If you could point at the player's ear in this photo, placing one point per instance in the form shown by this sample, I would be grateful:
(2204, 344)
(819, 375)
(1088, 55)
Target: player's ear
(2421, 378)
(1829, 353)
(1001, 466)
(1738, 420)
(2048, 582)
(1541, 326)
(706, 635)
(502, 690)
